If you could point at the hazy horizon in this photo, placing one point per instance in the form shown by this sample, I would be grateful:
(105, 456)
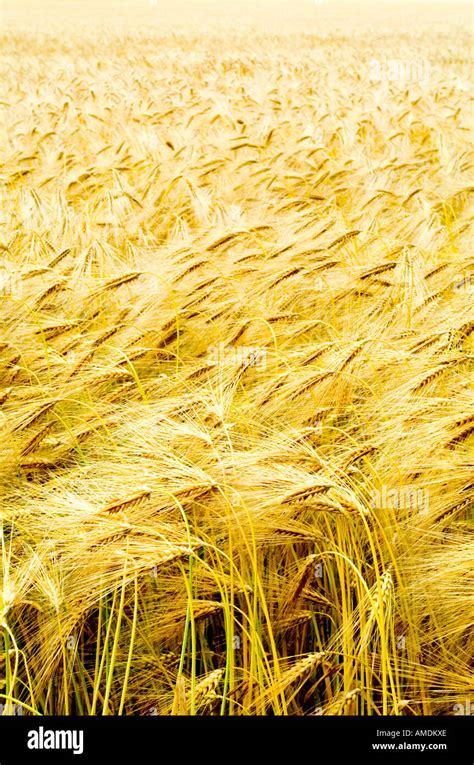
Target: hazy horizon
(306, 15)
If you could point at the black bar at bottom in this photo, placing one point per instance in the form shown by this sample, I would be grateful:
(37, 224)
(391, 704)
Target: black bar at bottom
(136, 739)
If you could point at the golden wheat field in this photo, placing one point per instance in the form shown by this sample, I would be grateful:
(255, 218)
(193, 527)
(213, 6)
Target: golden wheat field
(236, 400)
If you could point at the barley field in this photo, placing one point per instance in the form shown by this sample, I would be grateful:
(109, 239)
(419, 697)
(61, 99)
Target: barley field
(236, 356)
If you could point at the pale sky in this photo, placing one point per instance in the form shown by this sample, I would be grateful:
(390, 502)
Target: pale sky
(285, 13)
